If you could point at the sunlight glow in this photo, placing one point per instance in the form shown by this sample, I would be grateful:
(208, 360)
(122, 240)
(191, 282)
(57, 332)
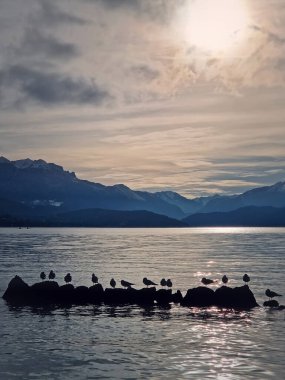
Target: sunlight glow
(216, 25)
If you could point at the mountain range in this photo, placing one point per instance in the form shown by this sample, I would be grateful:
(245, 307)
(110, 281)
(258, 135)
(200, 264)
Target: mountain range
(44, 193)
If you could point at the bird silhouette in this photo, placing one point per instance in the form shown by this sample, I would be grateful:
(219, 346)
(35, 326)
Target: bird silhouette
(94, 279)
(163, 282)
(113, 283)
(169, 283)
(225, 279)
(246, 278)
(207, 281)
(43, 275)
(271, 294)
(51, 275)
(148, 282)
(126, 284)
(68, 278)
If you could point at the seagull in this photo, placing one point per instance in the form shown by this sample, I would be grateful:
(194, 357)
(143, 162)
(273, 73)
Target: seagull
(43, 275)
(225, 279)
(148, 282)
(94, 279)
(169, 283)
(68, 278)
(207, 281)
(271, 294)
(51, 275)
(126, 284)
(246, 278)
(163, 282)
(113, 283)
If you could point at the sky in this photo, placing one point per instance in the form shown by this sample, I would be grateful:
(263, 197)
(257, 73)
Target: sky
(182, 95)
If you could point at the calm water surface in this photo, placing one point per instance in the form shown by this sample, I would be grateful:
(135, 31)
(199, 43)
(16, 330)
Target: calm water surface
(98, 342)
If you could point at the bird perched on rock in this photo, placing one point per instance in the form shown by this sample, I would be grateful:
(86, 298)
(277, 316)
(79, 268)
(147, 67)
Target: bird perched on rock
(126, 284)
(271, 294)
(169, 283)
(225, 279)
(163, 282)
(94, 279)
(207, 281)
(68, 278)
(148, 282)
(51, 275)
(43, 275)
(246, 278)
(113, 283)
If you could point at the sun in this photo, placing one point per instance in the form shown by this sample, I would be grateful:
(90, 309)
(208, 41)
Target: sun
(216, 25)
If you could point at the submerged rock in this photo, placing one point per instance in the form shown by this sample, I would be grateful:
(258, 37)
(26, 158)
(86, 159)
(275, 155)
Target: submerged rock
(271, 303)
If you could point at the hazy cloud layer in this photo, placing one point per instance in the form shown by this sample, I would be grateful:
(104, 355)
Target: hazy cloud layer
(115, 90)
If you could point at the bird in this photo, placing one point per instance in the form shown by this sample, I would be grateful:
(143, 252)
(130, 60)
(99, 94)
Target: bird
(225, 279)
(68, 278)
(43, 275)
(51, 275)
(207, 281)
(246, 278)
(169, 283)
(148, 282)
(126, 284)
(271, 294)
(163, 282)
(113, 283)
(94, 279)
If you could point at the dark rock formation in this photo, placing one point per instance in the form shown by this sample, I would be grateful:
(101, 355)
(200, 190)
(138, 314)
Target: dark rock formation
(271, 303)
(49, 292)
(200, 297)
(17, 290)
(238, 298)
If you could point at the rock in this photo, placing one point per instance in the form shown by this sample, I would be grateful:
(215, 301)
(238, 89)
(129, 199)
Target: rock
(120, 296)
(96, 294)
(81, 295)
(17, 290)
(243, 298)
(163, 296)
(177, 297)
(45, 292)
(200, 297)
(66, 294)
(237, 298)
(271, 303)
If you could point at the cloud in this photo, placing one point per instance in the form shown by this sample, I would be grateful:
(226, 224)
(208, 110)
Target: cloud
(37, 43)
(50, 15)
(48, 88)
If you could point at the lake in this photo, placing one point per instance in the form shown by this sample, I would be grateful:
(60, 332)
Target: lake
(100, 342)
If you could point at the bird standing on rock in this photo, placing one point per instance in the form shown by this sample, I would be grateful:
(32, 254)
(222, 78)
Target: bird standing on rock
(51, 275)
(207, 281)
(68, 278)
(225, 279)
(148, 282)
(126, 284)
(113, 283)
(43, 275)
(246, 278)
(94, 279)
(271, 294)
(169, 283)
(163, 282)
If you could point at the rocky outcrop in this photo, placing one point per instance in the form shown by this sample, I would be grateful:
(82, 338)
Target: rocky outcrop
(238, 298)
(49, 292)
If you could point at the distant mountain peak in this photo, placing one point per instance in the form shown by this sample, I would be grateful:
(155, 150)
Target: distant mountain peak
(4, 160)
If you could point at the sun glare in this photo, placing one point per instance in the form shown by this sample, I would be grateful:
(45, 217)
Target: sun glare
(216, 25)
